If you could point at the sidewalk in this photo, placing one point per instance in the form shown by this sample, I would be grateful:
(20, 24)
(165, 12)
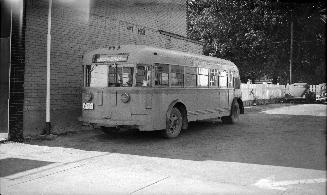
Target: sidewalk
(72, 171)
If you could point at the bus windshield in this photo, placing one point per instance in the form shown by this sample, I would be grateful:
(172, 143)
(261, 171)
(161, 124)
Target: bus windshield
(109, 76)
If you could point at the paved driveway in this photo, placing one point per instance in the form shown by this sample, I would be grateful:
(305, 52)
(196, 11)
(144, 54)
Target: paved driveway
(274, 149)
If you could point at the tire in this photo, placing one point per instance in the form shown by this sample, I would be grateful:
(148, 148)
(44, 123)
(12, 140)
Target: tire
(173, 124)
(234, 116)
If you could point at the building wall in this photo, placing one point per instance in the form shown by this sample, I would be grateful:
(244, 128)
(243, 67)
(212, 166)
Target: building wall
(17, 68)
(78, 27)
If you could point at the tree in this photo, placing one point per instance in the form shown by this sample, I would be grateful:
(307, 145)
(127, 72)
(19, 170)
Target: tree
(255, 35)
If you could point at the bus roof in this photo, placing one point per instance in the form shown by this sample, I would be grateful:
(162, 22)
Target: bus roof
(150, 55)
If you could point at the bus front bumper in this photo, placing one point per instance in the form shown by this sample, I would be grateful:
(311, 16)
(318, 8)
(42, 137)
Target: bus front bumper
(139, 124)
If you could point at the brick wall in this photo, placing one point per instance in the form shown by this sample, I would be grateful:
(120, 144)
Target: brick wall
(77, 29)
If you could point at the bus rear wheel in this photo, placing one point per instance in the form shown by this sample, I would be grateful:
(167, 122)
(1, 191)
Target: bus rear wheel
(173, 124)
(234, 116)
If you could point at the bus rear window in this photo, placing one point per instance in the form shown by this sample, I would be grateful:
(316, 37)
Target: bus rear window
(108, 76)
(120, 76)
(98, 76)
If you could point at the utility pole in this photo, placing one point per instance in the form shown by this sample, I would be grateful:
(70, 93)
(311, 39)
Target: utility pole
(291, 52)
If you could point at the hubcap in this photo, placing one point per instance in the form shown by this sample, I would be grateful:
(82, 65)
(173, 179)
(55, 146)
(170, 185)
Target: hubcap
(174, 123)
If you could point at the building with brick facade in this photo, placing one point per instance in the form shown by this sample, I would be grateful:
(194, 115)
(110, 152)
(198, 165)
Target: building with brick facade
(77, 26)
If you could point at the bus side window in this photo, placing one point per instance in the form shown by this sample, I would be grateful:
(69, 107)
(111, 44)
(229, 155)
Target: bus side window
(143, 75)
(230, 79)
(213, 80)
(190, 77)
(203, 77)
(161, 75)
(177, 76)
(223, 79)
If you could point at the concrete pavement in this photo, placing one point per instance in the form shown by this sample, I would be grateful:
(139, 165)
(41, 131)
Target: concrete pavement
(73, 171)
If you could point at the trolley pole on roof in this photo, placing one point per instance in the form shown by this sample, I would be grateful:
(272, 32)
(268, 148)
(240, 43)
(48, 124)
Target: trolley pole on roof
(291, 52)
(47, 129)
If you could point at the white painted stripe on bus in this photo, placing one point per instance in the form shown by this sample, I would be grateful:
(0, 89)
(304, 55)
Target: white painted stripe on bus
(191, 113)
(201, 111)
(221, 109)
(211, 111)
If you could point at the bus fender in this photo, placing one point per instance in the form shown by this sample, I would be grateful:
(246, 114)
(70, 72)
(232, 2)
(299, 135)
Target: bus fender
(184, 112)
(171, 105)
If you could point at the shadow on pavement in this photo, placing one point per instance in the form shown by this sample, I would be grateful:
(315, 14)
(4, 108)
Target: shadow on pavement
(280, 140)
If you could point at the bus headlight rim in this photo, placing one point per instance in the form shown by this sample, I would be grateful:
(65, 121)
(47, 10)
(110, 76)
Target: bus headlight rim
(88, 96)
(125, 97)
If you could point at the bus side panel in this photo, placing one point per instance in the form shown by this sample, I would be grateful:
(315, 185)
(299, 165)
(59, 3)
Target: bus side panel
(162, 98)
(208, 103)
(200, 103)
(224, 102)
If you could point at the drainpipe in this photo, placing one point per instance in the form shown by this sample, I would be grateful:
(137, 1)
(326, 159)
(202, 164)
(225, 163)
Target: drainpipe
(47, 129)
(291, 52)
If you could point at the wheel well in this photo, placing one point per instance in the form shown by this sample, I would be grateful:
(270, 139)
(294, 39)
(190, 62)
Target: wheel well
(240, 103)
(181, 107)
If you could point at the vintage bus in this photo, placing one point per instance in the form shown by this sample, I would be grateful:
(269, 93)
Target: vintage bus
(147, 88)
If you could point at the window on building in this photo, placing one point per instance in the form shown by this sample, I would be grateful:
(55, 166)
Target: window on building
(190, 77)
(177, 76)
(203, 77)
(161, 75)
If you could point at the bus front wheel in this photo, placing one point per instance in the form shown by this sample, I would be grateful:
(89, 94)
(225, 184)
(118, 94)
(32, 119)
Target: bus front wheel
(173, 124)
(234, 116)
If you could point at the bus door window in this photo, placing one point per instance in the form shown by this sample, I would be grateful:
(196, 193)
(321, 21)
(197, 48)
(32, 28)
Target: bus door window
(143, 75)
(190, 77)
(161, 75)
(203, 77)
(177, 76)
(223, 79)
(213, 80)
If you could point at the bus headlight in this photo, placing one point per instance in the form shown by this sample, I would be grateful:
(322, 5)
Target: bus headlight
(88, 97)
(125, 98)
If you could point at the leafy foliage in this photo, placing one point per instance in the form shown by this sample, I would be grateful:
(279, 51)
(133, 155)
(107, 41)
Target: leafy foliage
(255, 35)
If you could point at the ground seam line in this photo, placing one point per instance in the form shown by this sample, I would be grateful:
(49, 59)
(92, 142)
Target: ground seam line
(149, 185)
(53, 173)
(63, 164)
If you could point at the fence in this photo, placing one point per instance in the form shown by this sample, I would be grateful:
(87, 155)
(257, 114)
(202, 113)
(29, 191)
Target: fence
(317, 88)
(262, 93)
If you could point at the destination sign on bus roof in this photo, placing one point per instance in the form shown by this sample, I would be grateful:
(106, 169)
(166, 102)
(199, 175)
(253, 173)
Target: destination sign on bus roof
(102, 58)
